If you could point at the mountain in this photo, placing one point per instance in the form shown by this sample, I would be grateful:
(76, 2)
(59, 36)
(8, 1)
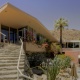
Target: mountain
(68, 34)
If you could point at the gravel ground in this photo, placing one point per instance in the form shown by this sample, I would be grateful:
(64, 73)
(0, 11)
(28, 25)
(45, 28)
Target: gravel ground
(44, 77)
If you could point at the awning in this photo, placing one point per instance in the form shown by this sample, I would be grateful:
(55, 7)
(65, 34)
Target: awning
(16, 18)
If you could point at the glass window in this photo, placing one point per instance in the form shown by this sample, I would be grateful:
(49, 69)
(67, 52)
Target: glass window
(70, 45)
(76, 45)
(63, 52)
(66, 44)
(4, 31)
(63, 46)
(13, 37)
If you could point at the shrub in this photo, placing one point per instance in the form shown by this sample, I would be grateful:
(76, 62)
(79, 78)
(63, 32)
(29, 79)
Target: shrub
(53, 69)
(35, 59)
(58, 63)
(66, 61)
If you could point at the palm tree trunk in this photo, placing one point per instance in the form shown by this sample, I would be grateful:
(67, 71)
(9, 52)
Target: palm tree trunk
(61, 35)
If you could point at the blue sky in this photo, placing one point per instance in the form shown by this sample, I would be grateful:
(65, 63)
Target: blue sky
(47, 11)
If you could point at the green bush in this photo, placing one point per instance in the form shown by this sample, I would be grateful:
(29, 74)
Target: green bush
(35, 59)
(66, 60)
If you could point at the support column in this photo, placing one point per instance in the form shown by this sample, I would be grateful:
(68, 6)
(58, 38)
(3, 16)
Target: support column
(0, 31)
(73, 44)
(32, 34)
(24, 36)
(67, 44)
(9, 35)
(17, 35)
(79, 44)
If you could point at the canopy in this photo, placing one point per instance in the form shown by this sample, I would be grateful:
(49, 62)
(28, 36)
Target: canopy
(16, 18)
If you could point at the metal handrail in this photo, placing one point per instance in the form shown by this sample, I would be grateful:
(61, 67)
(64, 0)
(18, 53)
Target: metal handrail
(3, 35)
(18, 70)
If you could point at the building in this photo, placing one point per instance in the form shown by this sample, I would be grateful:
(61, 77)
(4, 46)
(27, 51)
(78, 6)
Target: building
(14, 23)
(71, 42)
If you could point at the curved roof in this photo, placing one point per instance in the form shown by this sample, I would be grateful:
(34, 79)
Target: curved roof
(16, 18)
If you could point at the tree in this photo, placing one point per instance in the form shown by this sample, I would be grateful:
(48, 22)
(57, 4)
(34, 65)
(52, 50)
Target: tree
(60, 24)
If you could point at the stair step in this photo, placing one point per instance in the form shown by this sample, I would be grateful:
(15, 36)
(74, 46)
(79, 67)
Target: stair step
(9, 53)
(5, 55)
(2, 70)
(10, 67)
(9, 58)
(11, 61)
(10, 79)
(11, 76)
(5, 61)
(9, 64)
(13, 56)
(8, 72)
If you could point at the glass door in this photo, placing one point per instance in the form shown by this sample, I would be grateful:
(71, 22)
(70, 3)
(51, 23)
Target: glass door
(13, 37)
(21, 33)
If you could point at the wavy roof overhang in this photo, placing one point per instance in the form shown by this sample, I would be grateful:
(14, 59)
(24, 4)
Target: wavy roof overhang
(16, 18)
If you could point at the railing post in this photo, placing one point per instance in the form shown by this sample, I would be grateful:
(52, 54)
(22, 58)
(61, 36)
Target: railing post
(17, 35)
(9, 35)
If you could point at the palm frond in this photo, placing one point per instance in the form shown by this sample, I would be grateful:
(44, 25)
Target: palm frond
(61, 22)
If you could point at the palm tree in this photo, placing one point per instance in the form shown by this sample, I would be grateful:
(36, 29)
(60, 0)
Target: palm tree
(60, 24)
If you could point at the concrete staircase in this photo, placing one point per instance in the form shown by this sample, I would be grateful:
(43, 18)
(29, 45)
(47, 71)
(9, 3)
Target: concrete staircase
(8, 62)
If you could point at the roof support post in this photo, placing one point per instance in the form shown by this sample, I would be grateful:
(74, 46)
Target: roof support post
(9, 35)
(67, 44)
(0, 31)
(17, 35)
(79, 44)
(73, 44)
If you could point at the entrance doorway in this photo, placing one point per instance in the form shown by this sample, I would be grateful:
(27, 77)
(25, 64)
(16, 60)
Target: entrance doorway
(11, 34)
(23, 33)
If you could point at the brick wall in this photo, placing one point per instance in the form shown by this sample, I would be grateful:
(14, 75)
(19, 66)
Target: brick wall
(73, 53)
